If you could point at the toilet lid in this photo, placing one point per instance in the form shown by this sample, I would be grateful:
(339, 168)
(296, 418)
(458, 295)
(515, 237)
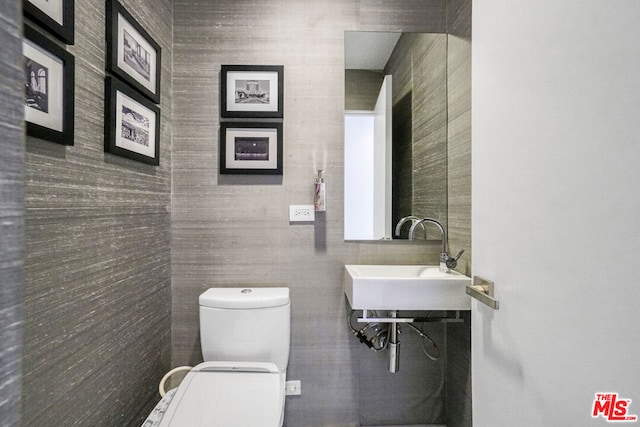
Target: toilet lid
(226, 395)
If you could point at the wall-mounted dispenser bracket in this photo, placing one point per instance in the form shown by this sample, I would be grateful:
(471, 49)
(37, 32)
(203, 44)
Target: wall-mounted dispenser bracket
(389, 319)
(366, 319)
(482, 290)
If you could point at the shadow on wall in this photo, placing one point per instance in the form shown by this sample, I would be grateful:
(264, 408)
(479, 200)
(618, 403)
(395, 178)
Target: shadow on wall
(320, 235)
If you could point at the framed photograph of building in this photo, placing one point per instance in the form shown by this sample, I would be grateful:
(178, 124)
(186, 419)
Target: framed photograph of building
(132, 124)
(131, 52)
(252, 91)
(56, 16)
(251, 148)
(49, 88)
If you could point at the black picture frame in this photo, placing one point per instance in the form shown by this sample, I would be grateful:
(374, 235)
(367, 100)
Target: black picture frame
(49, 79)
(132, 54)
(46, 18)
(248, 102)
(251, 148)
(132, 124)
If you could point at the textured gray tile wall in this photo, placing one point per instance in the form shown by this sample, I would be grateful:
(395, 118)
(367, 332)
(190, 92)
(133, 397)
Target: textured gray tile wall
(97, 270)
(412, 396)
(419, 69)
(11, 210)
(430, 128)
(458, 374)
(361, 89)
(459, 130)
(459, 189)
(234, 231)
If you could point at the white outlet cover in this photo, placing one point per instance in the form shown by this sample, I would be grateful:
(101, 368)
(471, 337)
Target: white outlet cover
(293, 388)
(302, 213)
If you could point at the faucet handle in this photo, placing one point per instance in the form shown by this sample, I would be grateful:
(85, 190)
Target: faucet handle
(452, 262)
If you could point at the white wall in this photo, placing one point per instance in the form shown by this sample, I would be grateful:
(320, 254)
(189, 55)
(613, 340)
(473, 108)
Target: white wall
(556, 208)
(358, 169)
(382, 140)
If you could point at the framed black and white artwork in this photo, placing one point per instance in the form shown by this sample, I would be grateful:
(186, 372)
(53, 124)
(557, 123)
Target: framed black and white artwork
(252, 91)
(251, 148)
(56, 16)
(132, 54)
(132, 124)
(49, 88)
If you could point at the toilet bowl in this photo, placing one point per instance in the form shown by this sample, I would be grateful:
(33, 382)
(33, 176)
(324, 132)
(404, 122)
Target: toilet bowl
(245, 339)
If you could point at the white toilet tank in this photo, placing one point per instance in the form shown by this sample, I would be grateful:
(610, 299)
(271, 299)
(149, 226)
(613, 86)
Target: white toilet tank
(246, 324)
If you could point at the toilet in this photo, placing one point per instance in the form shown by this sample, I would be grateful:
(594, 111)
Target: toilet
(245, 339)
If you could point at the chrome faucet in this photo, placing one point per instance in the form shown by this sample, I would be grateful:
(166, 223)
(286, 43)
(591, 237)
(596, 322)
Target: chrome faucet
(447, 262)
(413, 220)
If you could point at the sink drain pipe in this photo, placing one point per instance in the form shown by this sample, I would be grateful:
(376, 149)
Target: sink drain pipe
(387, 337)
(394, 345)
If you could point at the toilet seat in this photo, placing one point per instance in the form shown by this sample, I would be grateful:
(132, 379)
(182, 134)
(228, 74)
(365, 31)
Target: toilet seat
(228, 394)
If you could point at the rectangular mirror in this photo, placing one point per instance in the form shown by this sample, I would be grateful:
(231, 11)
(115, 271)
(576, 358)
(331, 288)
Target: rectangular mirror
(395, 131)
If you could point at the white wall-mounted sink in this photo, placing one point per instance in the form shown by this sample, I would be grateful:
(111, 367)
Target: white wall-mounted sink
(405, 287)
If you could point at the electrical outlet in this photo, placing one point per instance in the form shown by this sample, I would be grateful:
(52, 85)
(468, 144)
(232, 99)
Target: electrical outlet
(302, 213)
(292, 388)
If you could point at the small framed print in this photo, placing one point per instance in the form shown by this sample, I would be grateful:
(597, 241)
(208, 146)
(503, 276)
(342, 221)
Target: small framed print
(132, 124)
(56, 16)
(131, 52)
(252, 91)
(49, 88)
(251, 148)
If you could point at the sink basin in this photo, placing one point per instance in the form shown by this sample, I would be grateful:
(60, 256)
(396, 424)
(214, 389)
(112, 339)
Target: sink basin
(405, 287)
